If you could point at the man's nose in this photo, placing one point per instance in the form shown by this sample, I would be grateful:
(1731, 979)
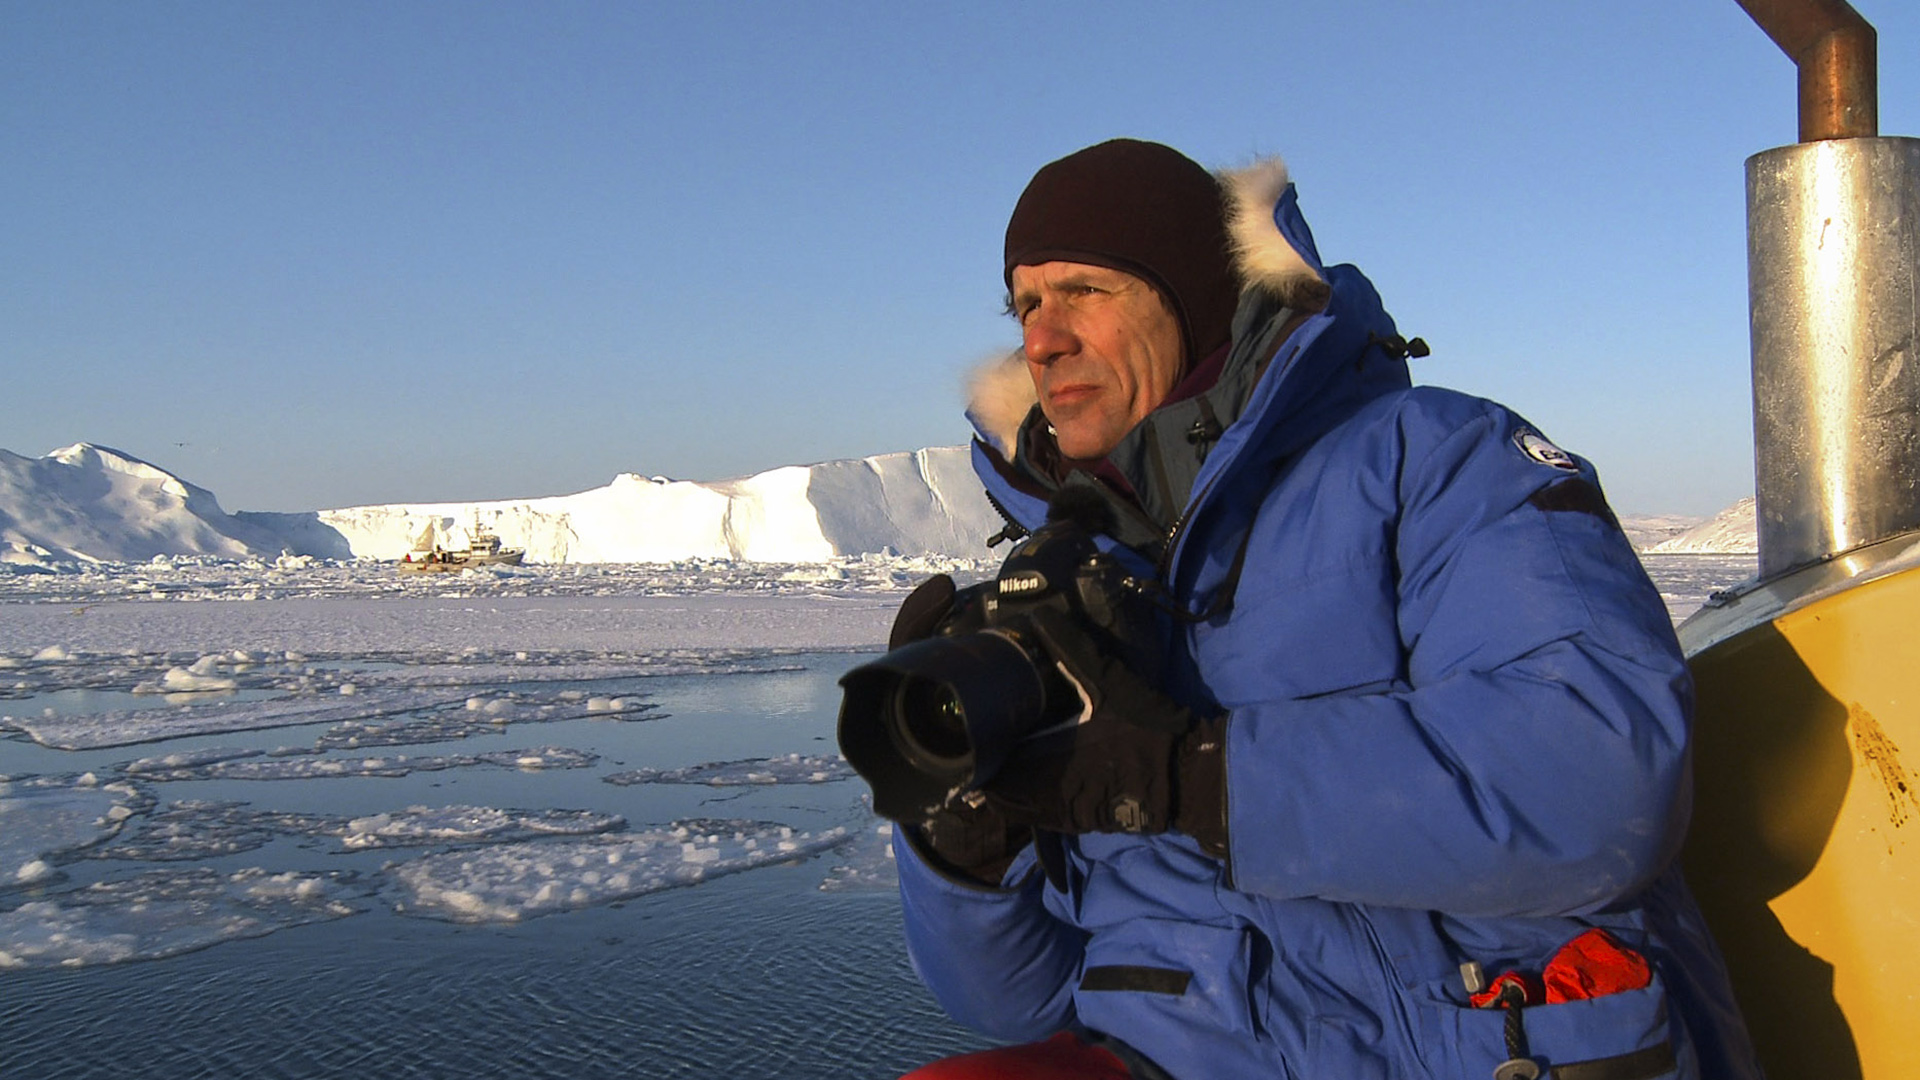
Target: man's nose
(1047, 337)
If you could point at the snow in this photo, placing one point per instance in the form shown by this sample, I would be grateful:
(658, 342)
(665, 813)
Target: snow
(1646, 530)
(1733, 530)
(89, 503)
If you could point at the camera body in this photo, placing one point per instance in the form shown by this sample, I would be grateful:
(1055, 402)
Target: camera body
(938, 717)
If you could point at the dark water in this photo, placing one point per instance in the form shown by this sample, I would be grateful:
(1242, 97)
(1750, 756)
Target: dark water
(757, 974)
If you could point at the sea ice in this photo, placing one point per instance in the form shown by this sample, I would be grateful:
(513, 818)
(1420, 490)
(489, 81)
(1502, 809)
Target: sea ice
(191, 829)
(311, 768)
(45, 819)
(90, 731)
(165, 912)
(510, 882)
(179, 680)
(790, 769)
(865, 863)
(465, 824)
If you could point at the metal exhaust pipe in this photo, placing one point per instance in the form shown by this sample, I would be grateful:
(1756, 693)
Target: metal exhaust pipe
(1833, 258)
(1837, 53)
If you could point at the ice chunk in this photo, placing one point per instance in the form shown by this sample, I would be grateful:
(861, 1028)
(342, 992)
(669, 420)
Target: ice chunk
(788, 769)
(509, 882)
(45, 819)
(309, 768)
(421, 825)
(94, 730)
(167, 912)
(186, 759)
(198, 829)
(179, 680)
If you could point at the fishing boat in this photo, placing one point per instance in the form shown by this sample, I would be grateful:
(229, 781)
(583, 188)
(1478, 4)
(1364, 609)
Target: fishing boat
(484, 548)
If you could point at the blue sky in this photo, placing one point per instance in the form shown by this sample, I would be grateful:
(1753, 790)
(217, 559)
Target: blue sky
(322, 254)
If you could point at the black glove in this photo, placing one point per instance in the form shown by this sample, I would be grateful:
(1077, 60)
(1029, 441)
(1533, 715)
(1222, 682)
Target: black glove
(1139, 762)
(965, 839)
(928, 606)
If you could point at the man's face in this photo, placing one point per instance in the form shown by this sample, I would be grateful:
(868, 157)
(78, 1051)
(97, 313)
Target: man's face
(1103, 349)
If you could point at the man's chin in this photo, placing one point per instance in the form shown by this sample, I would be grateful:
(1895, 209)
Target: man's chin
(1082, 449)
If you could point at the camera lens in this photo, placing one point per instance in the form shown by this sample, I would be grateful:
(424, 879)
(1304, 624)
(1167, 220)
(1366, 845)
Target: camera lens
(931, 721)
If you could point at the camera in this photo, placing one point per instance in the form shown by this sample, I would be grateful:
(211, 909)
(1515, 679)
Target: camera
(938, 717)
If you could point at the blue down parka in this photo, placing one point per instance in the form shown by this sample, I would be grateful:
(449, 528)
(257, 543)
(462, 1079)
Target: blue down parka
(1458, 731)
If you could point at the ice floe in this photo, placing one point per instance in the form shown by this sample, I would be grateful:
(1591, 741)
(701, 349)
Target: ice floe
(790, 769)
(88, 731)
(466, 824)
(231, 766)
(200, 829)
(165, 912)
(44, 819)
(510, 882)
(864, 863)
(191, 829)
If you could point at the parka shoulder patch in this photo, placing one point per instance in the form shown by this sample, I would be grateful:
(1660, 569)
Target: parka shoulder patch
(1574, 495)
(1537, 448)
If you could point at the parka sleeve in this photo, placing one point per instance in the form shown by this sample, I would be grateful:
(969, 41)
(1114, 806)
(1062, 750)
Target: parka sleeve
(994, 958)
(1530, 757)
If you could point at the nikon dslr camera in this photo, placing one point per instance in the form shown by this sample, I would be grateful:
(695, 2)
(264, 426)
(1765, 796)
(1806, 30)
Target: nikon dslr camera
(938, 717)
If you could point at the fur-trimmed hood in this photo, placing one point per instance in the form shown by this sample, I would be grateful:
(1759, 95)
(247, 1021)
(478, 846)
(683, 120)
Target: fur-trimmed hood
(1272, 251)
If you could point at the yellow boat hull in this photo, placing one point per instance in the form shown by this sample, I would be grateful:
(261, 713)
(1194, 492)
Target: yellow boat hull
(1805, 845)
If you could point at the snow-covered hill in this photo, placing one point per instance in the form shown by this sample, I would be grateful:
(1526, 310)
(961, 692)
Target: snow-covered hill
(88, 502)
(1733, 531)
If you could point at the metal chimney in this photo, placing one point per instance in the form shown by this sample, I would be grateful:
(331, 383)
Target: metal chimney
(1833, 258)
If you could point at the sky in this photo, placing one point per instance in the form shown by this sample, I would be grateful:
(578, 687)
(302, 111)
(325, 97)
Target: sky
(321, 255)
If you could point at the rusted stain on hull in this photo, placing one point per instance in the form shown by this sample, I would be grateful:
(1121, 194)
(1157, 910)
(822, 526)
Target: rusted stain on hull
(1881, 756)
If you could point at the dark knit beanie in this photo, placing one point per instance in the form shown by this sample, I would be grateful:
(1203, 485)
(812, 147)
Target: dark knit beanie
(1141, 208)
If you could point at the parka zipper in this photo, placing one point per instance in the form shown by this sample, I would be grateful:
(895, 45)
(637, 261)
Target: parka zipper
(1013, 530)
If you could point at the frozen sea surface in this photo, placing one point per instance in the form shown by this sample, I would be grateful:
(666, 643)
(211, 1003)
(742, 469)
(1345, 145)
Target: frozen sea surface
(566, 821)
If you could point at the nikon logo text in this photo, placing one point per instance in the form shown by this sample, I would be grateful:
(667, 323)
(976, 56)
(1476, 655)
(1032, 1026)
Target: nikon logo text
(1024, 583)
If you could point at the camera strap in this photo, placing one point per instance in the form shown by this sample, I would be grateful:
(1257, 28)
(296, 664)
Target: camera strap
(1158, 595)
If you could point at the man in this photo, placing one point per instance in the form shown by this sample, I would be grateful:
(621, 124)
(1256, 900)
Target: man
(1405, 800)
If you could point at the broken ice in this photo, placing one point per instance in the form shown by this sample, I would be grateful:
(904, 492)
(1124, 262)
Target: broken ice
(509, 882)
(44, 819)
(166, 912)
(791, 769)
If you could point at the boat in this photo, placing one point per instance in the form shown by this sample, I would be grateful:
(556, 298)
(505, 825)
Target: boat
(1804, 849)
(484, 548)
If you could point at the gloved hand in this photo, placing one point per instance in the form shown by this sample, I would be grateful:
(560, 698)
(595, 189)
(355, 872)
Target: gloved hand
(1138, 761)
(966, 839)
(921, 614)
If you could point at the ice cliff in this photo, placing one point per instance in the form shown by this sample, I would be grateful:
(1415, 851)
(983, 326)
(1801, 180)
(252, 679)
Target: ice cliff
(88, 502)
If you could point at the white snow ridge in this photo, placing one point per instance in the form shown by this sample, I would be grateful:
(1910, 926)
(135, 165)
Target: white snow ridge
(89, 503)
(1733, 531)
